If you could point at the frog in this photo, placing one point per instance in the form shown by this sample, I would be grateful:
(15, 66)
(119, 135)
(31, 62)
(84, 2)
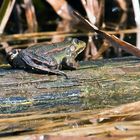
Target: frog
(50, 58)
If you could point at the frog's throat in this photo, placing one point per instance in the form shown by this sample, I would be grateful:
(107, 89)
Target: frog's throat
(79, 50)
(80, 47)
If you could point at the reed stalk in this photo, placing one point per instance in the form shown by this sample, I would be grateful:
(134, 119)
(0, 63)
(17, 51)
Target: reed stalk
(5, 12)
(136, 8)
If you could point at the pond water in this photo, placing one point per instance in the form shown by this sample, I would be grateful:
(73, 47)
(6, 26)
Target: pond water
(36, 104)
(32, 102)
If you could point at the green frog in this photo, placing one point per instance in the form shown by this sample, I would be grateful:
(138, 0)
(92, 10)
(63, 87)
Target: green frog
(50, 58)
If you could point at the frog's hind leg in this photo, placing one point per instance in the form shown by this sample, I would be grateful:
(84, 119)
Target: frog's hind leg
(41, 68)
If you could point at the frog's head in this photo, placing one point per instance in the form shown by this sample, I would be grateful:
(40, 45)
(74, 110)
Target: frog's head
(76, 46)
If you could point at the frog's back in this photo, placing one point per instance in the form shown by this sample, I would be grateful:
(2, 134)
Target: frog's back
(45, 54)
(47, 49)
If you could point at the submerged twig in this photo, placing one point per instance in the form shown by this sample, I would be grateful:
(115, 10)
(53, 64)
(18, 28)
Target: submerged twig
(116, 42)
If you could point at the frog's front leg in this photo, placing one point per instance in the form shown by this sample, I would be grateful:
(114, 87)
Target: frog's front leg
(69, 63)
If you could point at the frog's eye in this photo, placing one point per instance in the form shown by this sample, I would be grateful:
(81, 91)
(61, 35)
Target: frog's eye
(68, 39)
(75, 41)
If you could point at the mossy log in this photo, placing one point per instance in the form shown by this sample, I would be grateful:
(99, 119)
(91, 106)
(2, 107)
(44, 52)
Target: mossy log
(37, 103)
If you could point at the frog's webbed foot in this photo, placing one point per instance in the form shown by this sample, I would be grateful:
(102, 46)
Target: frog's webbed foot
(59, 72)
(41, 68)
(69, 63)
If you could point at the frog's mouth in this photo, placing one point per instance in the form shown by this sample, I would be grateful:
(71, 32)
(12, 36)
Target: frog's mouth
(80, 49)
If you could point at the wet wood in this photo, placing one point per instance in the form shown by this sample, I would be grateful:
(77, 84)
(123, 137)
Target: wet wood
(83, 106)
